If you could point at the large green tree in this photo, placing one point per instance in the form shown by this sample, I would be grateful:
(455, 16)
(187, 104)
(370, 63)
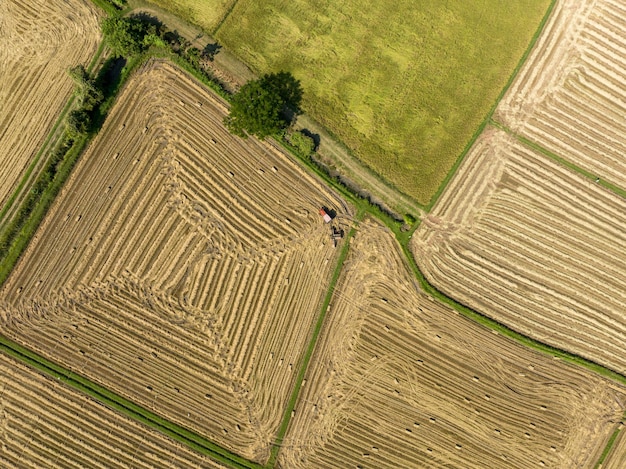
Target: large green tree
(85, 89)
(265, 106)
(126, 36)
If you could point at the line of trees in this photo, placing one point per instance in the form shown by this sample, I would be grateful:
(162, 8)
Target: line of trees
(127, 36)
(89, 96)
(262, 107)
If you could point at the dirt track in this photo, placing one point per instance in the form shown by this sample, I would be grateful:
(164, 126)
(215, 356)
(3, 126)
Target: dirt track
(180, 267)
(399, 380)
(535, 246)
(40, 40)
(44, 424)
(570, 97)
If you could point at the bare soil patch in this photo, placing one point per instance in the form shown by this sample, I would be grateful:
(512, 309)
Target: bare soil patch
(400, 380)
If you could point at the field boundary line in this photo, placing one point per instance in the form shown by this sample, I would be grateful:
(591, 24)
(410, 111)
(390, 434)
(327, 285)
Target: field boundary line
(561, 160)
(47, 145)
(489, 115)
(610, 443)
(500, 328)
(18, 190)
(224, 17)
(124, 406)
(312, 345)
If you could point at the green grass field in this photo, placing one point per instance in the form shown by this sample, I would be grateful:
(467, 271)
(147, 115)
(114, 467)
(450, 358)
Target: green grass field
(404, 84)
(205, 13)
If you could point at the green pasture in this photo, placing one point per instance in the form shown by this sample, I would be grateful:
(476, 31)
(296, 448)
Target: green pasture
(207, 14)
(404, 84)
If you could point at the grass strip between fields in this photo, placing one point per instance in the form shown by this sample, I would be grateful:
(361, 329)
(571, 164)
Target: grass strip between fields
(500, 328)
(126, 407)
(609, 444)
(562, 161)
(197, 442)
(489, 115)
(46, 143)
(311, 347)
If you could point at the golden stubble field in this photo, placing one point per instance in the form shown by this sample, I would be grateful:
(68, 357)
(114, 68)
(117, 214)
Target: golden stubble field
(41, 40)
(533, 245)
(524, 240)
(44, 424)
(400, 380)
(570, 96)
(616, 458)
(181, 267)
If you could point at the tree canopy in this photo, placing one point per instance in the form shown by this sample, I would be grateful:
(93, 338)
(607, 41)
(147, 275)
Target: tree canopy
(126, 36)
(88, 94)
(265, 106)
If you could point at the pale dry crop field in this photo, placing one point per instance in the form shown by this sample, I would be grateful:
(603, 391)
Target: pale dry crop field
(616, 458)
(401, 380)
(44, 424)
(41, 40)
(533, 245)
(570, 96)
(181, 267)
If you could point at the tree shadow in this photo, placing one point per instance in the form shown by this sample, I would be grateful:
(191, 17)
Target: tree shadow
(108, 81)
(315, 137)
(210, 50)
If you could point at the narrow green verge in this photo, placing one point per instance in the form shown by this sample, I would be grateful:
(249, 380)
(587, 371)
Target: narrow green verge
(562, 161)
(500, 328)
(47, 141)
(176, 432)
(609, 445)
(311, 347)
(489, 115)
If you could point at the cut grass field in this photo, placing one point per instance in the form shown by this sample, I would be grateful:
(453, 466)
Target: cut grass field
(46, 424)
(405, 86)
(40, 41)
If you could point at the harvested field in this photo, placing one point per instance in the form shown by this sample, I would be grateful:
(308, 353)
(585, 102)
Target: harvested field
(570, 96)
(616, 458)
(404, 84)
(533, 245)
(400, 380)
(41, 40)
(44, 424)
(181, 267)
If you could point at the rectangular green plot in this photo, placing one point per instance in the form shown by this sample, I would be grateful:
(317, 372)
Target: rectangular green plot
(207, 14)
(404, 84)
